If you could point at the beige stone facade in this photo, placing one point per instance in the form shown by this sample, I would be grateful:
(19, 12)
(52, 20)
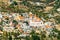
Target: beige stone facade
(4, 0)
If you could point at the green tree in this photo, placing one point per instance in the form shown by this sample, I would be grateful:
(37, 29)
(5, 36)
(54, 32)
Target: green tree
(57, 4)
(34, 35)
(14, 3)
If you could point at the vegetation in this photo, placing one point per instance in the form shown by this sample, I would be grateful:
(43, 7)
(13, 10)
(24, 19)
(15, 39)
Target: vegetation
(15, 7)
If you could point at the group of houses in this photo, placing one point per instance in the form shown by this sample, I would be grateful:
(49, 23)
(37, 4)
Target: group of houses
(24, 22)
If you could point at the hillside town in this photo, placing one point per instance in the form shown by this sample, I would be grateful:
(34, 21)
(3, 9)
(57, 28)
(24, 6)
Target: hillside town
(29, 20)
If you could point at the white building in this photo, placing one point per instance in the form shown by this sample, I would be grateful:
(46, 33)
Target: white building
(0, 15)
